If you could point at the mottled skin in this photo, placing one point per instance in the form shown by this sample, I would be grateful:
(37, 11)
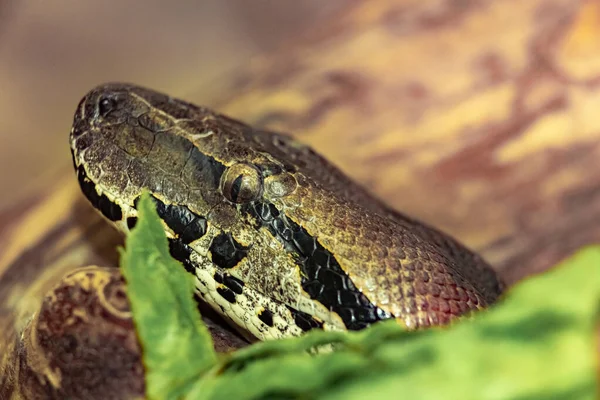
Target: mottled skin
(82, 342)
(126, 138)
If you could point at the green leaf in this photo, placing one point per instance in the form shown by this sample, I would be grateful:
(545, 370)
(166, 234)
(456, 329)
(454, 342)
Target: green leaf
(538, 343)
(176, 346)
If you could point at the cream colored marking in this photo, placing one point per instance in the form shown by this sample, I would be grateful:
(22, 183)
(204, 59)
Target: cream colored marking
(197, 136)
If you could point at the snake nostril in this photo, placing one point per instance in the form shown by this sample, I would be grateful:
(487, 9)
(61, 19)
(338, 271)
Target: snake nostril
(106, 105)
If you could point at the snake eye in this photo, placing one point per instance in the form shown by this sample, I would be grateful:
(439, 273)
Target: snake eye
(106, 105)
(242, 183)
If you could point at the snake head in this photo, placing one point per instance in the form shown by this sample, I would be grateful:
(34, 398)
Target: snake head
(265, 223)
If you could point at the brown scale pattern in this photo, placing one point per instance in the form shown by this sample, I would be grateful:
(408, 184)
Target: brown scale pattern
(369, 240)
(398, 270)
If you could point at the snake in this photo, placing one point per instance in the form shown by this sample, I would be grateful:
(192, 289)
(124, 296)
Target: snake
(278, 239)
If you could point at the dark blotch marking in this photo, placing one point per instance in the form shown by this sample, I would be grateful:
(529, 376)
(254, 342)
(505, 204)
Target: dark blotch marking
(266, 316)
(203, 168)
(109, 209)
(131, 221)
(304, 242)
(226, 252)
(186, 224)
(182, 252)
(305, 321)
(227, 294)
(322, 277)
(263, 213)
(233, 283)
(279, 228)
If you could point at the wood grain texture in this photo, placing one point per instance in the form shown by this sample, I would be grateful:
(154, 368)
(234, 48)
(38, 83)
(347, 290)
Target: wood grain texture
(478, 117)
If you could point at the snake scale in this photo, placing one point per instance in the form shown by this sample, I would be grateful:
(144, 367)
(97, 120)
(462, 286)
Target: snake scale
(279, 240)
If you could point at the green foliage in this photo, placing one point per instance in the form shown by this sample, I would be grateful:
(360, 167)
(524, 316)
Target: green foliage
(176, 346)
(537, 343)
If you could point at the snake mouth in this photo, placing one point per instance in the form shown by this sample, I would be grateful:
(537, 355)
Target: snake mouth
(107, 205)
(80, 140)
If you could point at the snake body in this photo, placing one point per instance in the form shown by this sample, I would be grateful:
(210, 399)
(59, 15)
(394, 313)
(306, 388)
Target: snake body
(279, 240)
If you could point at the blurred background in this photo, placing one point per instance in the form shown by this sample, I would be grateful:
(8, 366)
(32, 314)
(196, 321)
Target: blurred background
(52, 52)
(479, 117)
